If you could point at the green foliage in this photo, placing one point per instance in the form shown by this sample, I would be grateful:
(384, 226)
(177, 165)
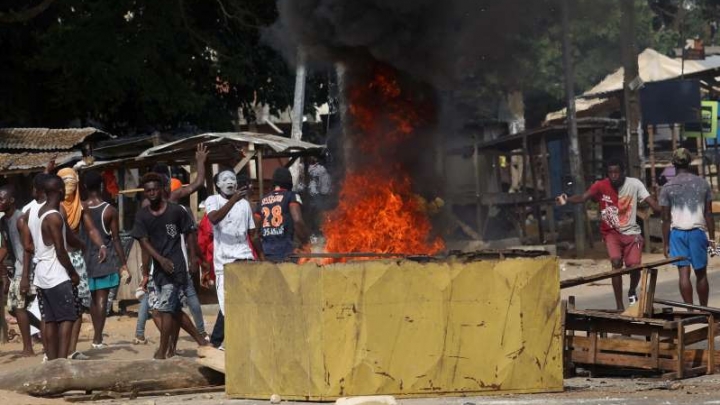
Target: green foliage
(141, 64)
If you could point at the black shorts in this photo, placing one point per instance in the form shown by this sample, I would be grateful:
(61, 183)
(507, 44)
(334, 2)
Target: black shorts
(58, 304)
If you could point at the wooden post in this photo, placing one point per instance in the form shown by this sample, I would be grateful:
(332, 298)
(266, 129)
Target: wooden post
(121, 199)
(675, 135)
(476, 168)
(680, 350)
(194, 196)
(537, 211)
(261, 180)
(550, 208)
(576, 167)
(651, 147)
(711, 345)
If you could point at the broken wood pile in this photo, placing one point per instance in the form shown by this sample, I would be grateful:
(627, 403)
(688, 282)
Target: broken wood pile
(642, 337)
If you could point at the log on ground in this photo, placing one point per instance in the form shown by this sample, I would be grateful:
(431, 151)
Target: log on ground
(60, 376)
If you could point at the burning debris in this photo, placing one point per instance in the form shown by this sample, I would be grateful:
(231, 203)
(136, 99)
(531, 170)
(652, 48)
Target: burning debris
(378, 211)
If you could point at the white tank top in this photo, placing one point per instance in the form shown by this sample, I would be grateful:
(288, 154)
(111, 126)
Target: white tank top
(48, 270)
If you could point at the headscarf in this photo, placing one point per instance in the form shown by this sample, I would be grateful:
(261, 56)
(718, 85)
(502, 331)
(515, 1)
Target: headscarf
(72, 203)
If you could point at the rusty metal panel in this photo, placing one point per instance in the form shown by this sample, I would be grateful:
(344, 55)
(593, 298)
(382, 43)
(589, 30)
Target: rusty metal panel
(388, 327)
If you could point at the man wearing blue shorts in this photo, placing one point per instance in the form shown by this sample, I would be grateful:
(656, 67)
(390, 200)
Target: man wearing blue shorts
(686, 202)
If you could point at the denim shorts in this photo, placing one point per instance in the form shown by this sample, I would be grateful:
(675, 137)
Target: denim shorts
(169, 298)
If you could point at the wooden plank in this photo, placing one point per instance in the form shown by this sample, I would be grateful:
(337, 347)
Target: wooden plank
(617, 317)
(617, 344)
(638, 310)
(133, 395)
(678, 304)
(655, 348)
(649, 308)
(623, 360)
(248, 156)
(711, 345)
(619, 272)
(212, 358)
(623, 328)
(681, 351)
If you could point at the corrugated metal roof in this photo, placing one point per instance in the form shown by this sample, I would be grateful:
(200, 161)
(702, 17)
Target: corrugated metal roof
(275, 142)
(10, 162)
(46, 138)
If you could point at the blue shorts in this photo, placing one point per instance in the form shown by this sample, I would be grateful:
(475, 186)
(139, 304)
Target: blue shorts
(692, 245)
(104, 283)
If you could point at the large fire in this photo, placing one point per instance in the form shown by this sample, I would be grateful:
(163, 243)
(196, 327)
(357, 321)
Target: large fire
(378, 211)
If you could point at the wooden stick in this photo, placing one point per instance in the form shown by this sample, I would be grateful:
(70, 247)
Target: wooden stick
(344, 255)
(678, 304)
(610, 274)
(134, 394)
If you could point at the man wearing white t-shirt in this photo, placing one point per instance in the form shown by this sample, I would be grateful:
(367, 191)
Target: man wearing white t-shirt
(233, 226)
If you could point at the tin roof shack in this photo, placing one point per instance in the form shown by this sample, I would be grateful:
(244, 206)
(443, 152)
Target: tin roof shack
(26, 151)
(518, 176)
(658, 138)
(258, 154)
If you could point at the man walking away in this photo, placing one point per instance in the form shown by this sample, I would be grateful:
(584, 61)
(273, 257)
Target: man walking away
(686, 202)
(618, 197)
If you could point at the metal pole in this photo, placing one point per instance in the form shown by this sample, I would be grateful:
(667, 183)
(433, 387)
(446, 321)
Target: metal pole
(297, 111)
(576, 167)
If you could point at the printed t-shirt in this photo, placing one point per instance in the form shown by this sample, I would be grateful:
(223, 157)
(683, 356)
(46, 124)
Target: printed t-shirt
(618, 208)
(277, 229)
(164, 233)
(687, 195)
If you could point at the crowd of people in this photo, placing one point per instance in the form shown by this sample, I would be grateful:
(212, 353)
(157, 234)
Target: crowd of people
(67, 255)
(688, 229)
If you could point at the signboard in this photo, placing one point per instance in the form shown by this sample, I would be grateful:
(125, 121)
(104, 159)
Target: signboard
(670, 101)
(708, 126)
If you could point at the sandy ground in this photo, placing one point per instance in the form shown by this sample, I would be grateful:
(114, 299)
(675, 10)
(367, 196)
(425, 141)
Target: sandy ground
(578, 390)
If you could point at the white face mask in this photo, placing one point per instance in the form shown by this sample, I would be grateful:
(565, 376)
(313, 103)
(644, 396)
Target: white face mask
(227, 182)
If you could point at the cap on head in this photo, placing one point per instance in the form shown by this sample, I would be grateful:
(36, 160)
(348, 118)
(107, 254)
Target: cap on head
(681, 157)
(282, 178)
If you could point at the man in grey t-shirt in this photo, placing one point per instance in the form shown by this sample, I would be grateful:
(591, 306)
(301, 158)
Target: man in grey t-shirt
(686, 202)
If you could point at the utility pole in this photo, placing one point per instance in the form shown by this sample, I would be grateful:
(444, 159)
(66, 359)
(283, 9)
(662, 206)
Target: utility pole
(297, 111)
(576, 167)
(631, 87)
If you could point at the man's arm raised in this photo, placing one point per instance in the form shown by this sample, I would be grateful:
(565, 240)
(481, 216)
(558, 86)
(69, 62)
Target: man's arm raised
(200, 158)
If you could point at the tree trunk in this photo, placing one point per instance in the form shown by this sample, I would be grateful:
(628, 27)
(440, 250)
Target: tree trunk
(631, 96)
(576, 166)
(59, 376)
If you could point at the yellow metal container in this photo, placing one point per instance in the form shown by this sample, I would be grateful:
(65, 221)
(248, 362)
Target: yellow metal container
(388, 327)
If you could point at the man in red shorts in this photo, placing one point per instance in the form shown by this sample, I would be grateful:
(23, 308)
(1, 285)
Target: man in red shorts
(618, 196)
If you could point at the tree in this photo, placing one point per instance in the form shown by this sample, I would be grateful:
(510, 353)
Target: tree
(142, 65)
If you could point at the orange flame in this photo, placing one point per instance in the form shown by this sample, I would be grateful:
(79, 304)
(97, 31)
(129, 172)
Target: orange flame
(377, 211)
